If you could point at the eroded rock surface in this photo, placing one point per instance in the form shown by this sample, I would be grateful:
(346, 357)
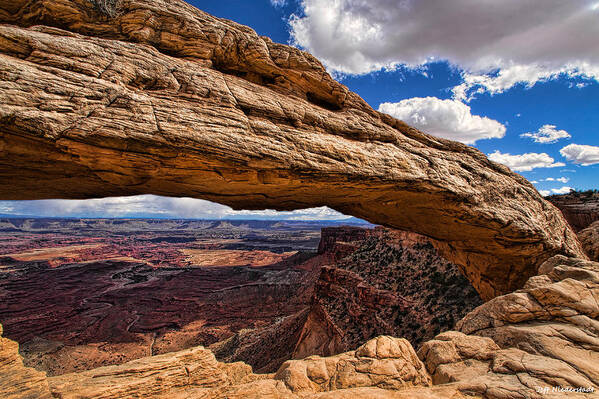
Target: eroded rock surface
(16, 380)
(589, 238)
(384, 282)
(159, 97)
(385, 363)
(521, 344)
(538, 342)
(579, 208)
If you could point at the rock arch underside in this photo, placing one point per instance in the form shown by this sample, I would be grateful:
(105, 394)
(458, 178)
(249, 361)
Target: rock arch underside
(108, 98)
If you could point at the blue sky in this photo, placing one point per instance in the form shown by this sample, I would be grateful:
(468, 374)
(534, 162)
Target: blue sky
(517, 80)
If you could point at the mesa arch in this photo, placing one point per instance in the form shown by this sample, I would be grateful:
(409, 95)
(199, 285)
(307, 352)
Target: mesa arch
(165, 99)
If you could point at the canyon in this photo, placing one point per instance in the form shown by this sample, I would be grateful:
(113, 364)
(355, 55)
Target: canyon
(81, 294)
(105, 98)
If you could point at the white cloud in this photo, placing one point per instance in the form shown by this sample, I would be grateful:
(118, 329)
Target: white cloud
(155, 206)
(563, 190)
(547, 134)
(278, 3)
(545, 193)
(584, 155)
(444, 118)
(559, 179)
(510, 75)
(496, 43)
(525, 162)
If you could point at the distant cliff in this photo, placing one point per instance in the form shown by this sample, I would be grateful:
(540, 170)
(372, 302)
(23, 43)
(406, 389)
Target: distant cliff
(579, 208)
(388, 282)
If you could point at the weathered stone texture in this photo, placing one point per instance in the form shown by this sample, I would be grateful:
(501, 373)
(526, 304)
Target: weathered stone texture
(16, 380)
(543, 336)
(589, 238)
(165, 99)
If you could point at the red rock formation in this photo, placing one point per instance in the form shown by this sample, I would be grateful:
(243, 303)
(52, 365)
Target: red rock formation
(387, 282)
(84, 315)
(579, 208)
(589, 238)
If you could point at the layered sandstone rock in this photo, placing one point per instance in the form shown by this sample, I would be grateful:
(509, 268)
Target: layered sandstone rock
(389, 364)
(383, 362)
(192, 370)
(589, 238)
(16, 380)
(159, 97)
(526, 343)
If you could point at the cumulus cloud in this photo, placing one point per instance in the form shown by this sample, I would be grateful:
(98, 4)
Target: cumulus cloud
(559, 179)
(496, 43)
(545, 193)
(547, 134)
(584, 155)
(445, 118)
(525, 162)
(563, 190)
(155, 206)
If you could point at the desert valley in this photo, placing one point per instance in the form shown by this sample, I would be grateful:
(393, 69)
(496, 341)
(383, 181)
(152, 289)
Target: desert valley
(80, 294)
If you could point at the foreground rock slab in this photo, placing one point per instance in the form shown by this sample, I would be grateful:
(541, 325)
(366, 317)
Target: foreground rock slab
(385, 363)
(16, 380)
(159, 97)
(530, 343)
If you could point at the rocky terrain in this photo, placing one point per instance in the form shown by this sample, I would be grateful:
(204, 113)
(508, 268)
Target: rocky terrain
(159, 97)
(581, 210)
(112, 291)
(385, 282)
(128, 97)
(538, 342)
(135, 292)
(589, 237)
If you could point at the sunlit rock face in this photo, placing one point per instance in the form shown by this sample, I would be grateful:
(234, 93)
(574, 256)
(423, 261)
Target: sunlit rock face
(589, 239)
(159, 97)
(16, 380)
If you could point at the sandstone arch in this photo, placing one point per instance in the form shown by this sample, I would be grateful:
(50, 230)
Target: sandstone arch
(162, 98)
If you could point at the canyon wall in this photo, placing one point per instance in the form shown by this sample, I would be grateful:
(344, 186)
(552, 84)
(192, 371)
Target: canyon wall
(384, 282)
(579, 208)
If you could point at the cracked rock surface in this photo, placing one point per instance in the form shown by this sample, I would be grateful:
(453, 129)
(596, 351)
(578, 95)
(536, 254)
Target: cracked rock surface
(589, 239)
(543, 336)
(159, 97)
